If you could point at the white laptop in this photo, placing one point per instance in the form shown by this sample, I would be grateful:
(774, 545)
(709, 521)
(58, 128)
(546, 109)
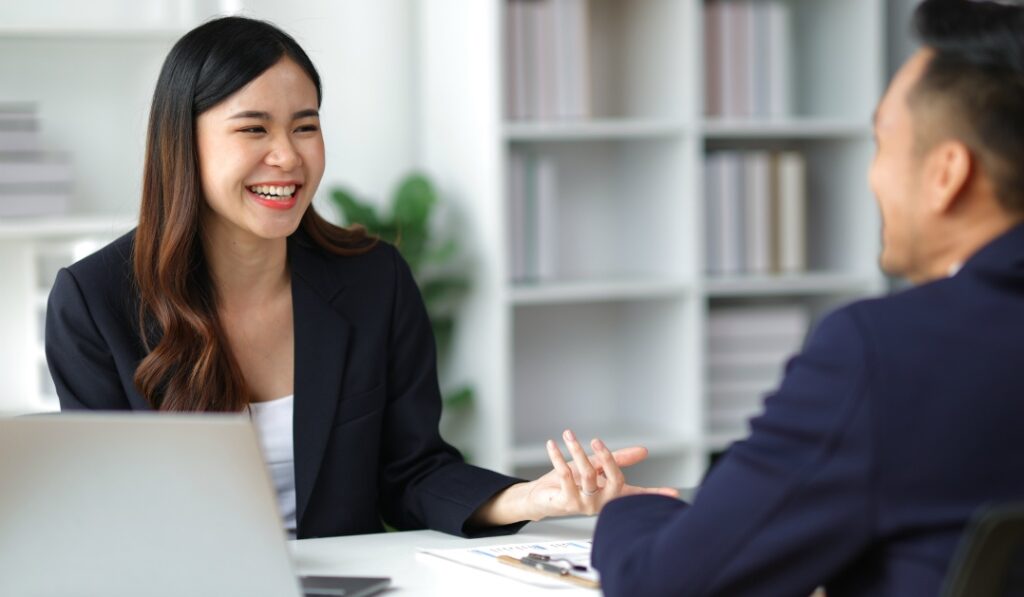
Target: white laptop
(155, 505)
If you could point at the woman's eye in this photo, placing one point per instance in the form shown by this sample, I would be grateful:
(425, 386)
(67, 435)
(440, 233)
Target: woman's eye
(307, 128)
(253, 129)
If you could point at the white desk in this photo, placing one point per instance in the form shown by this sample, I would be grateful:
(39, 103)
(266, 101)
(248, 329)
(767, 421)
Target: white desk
(394, 555)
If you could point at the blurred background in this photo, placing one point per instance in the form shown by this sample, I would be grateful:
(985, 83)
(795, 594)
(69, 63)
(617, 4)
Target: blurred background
(645, 203)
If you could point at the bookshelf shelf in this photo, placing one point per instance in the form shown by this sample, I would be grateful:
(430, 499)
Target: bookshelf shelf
(794, 128)
(531, 453)
(89, 34)
(64, 226)
(592, 129)
(805, 284)
(595, 291)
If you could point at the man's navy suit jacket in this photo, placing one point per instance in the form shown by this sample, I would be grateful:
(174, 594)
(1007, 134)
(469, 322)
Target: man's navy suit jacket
(367, 402)
(900, 417)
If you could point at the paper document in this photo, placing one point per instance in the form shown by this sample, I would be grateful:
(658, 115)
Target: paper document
(567, 553)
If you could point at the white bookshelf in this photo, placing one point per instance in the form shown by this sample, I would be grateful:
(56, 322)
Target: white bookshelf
(89, 68)
(614, 345)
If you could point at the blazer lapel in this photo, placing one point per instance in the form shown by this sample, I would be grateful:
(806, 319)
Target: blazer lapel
(321, 343)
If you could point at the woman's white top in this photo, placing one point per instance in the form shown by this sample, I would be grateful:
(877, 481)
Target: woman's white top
(273, 423)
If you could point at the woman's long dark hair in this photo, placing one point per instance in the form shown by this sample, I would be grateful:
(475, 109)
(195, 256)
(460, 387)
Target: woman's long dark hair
(189, 366)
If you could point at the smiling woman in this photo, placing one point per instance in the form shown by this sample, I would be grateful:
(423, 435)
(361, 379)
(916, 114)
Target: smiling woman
(233, 295)
(243, 97)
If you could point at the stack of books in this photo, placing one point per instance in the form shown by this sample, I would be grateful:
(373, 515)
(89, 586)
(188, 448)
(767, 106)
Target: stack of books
(755, 212)
(748, 57)
(533, 217)
(33, 182)
(548, 59)
(748, 347)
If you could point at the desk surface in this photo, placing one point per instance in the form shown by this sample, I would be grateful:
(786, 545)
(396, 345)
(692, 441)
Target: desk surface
(395, 555)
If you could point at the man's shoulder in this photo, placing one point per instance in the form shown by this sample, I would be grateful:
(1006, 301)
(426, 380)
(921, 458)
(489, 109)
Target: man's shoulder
(914, 301)
(915, 315)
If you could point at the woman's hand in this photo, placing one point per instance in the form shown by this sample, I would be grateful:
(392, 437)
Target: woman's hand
(586, 484)
(582, 486)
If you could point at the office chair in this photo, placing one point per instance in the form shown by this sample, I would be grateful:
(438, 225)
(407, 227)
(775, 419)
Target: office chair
(990, 559)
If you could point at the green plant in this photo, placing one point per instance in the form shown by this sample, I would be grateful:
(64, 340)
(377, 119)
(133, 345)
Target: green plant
(432, 257)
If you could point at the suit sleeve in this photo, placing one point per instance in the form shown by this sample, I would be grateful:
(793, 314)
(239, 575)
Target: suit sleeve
(79, 359)
(783, 511)
(424, 481)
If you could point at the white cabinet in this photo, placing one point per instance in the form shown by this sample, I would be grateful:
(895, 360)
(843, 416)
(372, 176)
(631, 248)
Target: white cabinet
(613, 340)
(31, 252)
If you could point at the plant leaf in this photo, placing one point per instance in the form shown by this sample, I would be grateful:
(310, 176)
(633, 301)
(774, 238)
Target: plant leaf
(459, 399)
(444, 253)
(412, 244)
(355, 211)
(414, 200)
(440, 289)
(444, 329)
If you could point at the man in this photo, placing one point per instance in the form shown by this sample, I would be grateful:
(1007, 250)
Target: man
(902, 415)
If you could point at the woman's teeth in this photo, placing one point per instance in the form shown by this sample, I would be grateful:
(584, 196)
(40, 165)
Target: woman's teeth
(273, 192)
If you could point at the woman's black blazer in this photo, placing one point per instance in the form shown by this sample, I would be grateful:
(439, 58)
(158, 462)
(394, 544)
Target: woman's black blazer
(367, 402)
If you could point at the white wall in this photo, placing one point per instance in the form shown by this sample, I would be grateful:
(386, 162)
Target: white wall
(364, 51)
(901, 42)
(94, 91)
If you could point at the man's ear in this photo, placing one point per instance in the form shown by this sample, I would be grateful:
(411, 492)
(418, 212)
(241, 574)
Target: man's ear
(947, 172)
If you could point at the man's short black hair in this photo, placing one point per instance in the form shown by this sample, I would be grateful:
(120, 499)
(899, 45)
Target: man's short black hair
(976, 77)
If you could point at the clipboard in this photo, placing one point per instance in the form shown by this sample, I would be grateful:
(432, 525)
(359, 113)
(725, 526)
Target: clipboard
(573, 554)
(550, 571)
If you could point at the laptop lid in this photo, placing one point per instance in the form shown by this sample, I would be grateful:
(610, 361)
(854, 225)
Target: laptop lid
(124, 505)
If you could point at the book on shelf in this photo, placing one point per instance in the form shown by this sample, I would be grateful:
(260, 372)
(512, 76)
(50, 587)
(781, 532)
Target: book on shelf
(792, 212)
(757, 211)
(533, 222)
(33, 182)
(724, 240)
(748, 348)
(747, 58)
(778, 59)
(755, 219)
(516, 50)
(740, 23)
(547, 59)
(757, 321)
(713, 58)
(736, 395)
(19, 128)
(18, 110)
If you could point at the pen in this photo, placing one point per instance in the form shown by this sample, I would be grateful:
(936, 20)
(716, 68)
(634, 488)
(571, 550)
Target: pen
(549, 558)
(551, 570)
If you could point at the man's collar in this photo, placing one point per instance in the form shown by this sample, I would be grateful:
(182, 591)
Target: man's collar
(1003, 254)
